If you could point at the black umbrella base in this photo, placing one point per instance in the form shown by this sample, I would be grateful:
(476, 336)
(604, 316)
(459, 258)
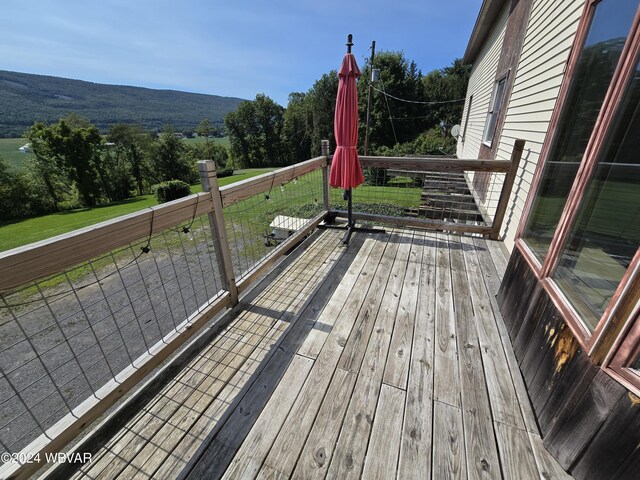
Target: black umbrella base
(350, 229)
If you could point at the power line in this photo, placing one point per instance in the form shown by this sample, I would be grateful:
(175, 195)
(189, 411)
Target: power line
(417, 101)
(389, 110)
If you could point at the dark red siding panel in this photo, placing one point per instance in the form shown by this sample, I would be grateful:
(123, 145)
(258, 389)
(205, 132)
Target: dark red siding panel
(618, 438)
(515, 293)
(537, 304)
(580, 409)
(575, 428)
(559, 389)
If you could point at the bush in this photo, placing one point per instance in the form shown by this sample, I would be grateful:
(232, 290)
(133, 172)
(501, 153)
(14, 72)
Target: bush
(224, 172)
(171, 190)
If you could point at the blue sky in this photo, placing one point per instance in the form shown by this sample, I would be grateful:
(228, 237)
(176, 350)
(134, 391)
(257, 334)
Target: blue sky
(235, 48)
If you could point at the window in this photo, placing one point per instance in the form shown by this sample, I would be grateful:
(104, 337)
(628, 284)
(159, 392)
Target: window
(581, 230)
(593, 73)
(466, 118)
(606, 231)
(494, 111)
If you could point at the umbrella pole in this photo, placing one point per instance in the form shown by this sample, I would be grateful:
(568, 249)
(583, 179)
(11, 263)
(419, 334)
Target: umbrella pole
(350, 224)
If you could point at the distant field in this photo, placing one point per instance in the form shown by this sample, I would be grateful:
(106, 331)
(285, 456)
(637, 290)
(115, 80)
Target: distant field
(9, 148)
(31, 230)
(224, 141)
(9, 151)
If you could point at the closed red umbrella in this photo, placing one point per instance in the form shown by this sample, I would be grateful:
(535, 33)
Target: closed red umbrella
(346, 172)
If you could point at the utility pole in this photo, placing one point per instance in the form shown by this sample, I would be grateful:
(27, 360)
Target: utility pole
(366, 134)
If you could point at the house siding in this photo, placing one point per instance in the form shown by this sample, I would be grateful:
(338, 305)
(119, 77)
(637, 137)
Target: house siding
(550, 34)
(483, 74)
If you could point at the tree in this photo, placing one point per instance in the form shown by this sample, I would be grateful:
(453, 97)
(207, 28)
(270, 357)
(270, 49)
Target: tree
(204, 128)
(12, 194)
(402, 79)
(448, 84)
(42, 166)
(322, 105)
(255, 133)
(132, 142)
(167, 158)
(297, 128)
(75, 145)
(217, 153)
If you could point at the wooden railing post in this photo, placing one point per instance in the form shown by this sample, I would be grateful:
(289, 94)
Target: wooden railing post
(209, 182)
(325, 174)
(507, 187)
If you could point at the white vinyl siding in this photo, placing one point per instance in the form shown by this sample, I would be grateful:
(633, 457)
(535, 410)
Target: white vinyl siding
(550, 33)
(481, 86)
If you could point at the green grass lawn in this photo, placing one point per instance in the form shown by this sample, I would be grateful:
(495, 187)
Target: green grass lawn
(9, 151)
(23, 232)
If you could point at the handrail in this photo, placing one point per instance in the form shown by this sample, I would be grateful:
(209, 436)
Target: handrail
(36, 260)
(239, 191)
(431, 164)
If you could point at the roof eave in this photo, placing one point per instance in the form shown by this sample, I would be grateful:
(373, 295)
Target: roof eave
(489, 11)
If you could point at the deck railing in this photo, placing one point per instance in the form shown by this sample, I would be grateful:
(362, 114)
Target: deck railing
(435, 192)
(85, 316)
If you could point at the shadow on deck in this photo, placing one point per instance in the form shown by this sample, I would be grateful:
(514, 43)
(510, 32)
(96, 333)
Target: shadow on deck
(385, 359)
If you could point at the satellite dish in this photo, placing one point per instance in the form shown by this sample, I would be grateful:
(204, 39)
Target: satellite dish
(455, 131)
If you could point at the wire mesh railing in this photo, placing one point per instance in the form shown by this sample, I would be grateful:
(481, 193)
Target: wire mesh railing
(85, 316)
(262, 216)
(64, 337)
(259, 224)
(443, 193)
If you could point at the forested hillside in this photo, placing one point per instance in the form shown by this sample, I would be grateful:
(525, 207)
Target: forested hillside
(26, 98)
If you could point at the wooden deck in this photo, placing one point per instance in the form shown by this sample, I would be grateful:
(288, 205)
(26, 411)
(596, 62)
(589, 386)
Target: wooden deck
(382, 360)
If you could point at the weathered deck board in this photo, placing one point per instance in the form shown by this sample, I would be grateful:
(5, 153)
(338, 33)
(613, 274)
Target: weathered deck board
(516, 453)
(492, 271)
(382, 360)
(505, 403)
(316, 454)
(284, 453)
(348, 456)
(316, 338)
(480, 442)
(396, 371)
(416, 445)
(384, 446)
(448, 445)
(257, 443)
(389, 274)
(447, 375)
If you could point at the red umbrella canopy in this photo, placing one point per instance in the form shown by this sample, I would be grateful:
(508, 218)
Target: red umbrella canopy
(346, 171)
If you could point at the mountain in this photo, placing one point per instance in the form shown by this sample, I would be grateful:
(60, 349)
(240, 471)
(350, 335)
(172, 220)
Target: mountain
(26, 98)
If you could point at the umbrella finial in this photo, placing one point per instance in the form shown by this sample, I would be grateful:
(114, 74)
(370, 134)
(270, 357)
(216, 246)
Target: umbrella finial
(349, 43)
